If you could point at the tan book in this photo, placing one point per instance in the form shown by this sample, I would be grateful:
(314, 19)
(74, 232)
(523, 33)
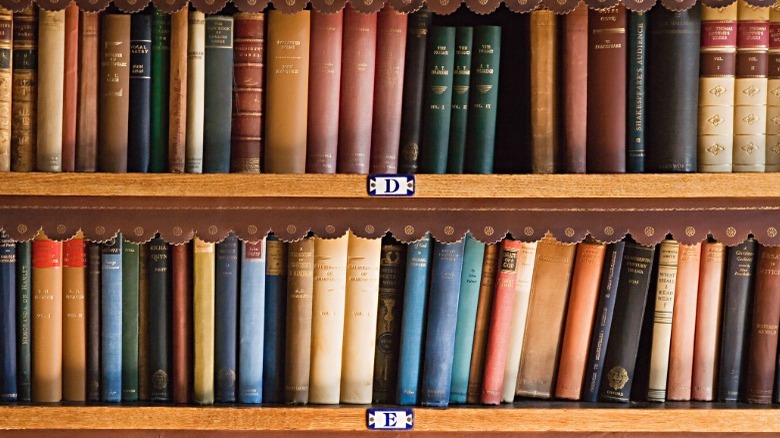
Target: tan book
(300, 284)
(484, 309)
(51, 82)
(6, 88)
(544, 92)
(773, 97)
(662, 319)
(196, 83)
(203, 321)
(87, 106)
(25, 91)
(114, 93)
(327, 320)
(362, 302)
(708, 310)
(46, 318)
(177, 92)
(74, 321)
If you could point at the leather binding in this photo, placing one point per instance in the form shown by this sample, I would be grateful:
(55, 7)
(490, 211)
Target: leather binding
(160, 98)
(51, 43)
(461, 78)
(773, 97)
(139, 116)
(114, 99)
(251, 322)
(629, 310)
(111, 320)
(763, 329)
(388, 90)
(500, 321)
(70, 90)
(750, 88)
(226, 319)
(218, 94)
(437, 99)
(93, 321)
(130, 289)
(546, 318)
(144, 377)
(545, 156)
(74, 321)
(327, 319)
(684, 323)
(585, 284)
(324, 92)
(410, 356)
(360, 318)
(483, 100)
(47, 318)
(473, 257)
(177, 91)
(484, 309)
(275, 320)
(418, 27)
(392, 265)
(672, 97)
(6, 40)
(24, 90)
(8, 376)
(668, 261)
(287, 78)
(196, 71)
(159, 328)
(23, 323)
(181, 327)
(717, 61)
(637, 74)
(607, 58)
(248, 73)
(708, 310)
(574, 80)
(446, 268)
(300, 284)
(203, 321)
(87, 107)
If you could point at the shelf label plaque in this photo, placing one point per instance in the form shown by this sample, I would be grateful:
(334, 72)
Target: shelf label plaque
(391, 185)
(390, 418)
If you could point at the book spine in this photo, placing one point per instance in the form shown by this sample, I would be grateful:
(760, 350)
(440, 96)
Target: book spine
(51, 71)
(773, 97)
(437, 95)
(74, 321)
(161, 76)
(324, 91)
(718, 62)
(46, 318)
(111, 320)
(114, 101)
(6, 65)
(130, 290)
(93, 321)
(196, 82)
(287, 77)
(484, 308)
(139, 114)
(410, 359)
(388, 89)
(203, 321)
(251, 322)
(275, 320)
(461, 78)
(473, 258)
(181, 329)
(177, 92)
(575, 89)
(70, 90)
(708, 310)
(635, 107)
(246, 139)
(8, 370)
(392, 265)
(668, 261)
(607, 60)
(25, 90)
(23, 320)
(483, 100)
(88, 86)
(159, 328)
(226, 319)
(545, 157)
(300, 284)
(763, 329)
(144, 377)
(360, 318)
(218, 94)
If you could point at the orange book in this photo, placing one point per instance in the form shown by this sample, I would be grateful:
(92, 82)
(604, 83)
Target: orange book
(46, 318)
(708, 308)
(74, 321)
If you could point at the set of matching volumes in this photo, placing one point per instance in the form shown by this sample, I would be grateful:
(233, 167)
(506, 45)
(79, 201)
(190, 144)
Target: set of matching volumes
(353, 320)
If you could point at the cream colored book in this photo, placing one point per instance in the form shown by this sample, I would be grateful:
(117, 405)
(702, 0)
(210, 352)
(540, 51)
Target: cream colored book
(203, 321)
(196, 79)
(51, 82)
(662, 320)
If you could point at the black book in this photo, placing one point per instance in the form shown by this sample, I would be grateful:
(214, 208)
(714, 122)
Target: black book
(93, 321)
(159, 319)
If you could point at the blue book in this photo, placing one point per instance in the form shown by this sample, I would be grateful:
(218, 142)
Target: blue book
(275, 320)
(111, 316)
(418, 262)
(23, 321)
(139, 118)
(252, 323)
(159, 319)
(470, 279)
(130, 308)
(8, 383)
(635, 114)
(225, 319)
(447, 265)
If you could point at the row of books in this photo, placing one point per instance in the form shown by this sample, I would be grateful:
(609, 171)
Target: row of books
(353, 320)
(604, 91)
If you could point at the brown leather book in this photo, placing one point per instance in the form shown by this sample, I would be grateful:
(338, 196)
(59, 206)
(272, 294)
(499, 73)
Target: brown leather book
(300, 285)
(678, 386)
(324, 87)
(606, 112)
(51, 46)
(46, 318)
(87, 105)
(114, 96)
(575, 89)
(6, 88)
(545, 157)
(181, 285)
(708, 310)
(763, 334)
(25, 90)
(70, 89)
(356, 104)
(585, 282)
(484, 308)
(246, 134)
(74, 319)
(546, 313)
(144, 377)
(177, 94)
(388, 90)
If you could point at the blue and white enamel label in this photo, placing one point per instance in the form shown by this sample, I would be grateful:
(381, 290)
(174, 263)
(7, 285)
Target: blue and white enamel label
(390, 185)
(390, 418)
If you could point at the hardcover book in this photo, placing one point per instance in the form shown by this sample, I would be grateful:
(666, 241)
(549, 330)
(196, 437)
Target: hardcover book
(74, 321)
(46, 382)
(69, 92)
(275, 320)
(203, 321)
(248, 73)
(218, 94)
(668, 262)
(23, 320)
(545, 156)
(51, 83)
(461, 78)
(8, 372)
(114, 104)
(708, 311)
(130, 306)
(160, 97)
(437, 99)
(637, 86)
(226, 319)
(484, 309)
(177, 91)
(140, 91)
(251, 330)
(574, 80)
(89, 67)
(111, 319)
(300, 283)
(159, 319)
(196, 72)
(25, 91)
(762, 361)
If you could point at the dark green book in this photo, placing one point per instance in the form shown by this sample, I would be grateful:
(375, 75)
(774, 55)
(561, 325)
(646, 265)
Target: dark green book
(460, 99)
(483, 100)
(23, 320)
(130, 274)
(635, 114)
(161, 63)
(218, 94)
(437, 99)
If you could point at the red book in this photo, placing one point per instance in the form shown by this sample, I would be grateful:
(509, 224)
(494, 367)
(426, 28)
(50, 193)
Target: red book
(182, 322)
(575, 88)
(71, 88)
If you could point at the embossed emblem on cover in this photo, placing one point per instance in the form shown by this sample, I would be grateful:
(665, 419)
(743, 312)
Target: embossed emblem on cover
(617, 378)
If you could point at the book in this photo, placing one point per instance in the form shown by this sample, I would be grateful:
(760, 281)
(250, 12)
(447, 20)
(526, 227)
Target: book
(140, 94)
(51, 82)
(251, 329)
(160, 97)
(484, 309)
(545, 154)
(159, 319)
(181, 322)
(574, 95)
(300, 284)
(637, 84)
(708, 311)
(69, 92)
(275, 320)
(111, 320)
(668, 262)
(218, 94)
(762, 358)
(24, 99)
(684, 323)
(130, 306)
(773, 97)
(23, 320)
(93, 287)
(114, 101)
(248, 73)
(177, 92)
(8, 372)
(226, 319)
(196, 83)
(6, 66)
(461, 77)
(89, 60)
(203, 321)
(144, 377)
(437, 99)
(74, 319)
(46, 382)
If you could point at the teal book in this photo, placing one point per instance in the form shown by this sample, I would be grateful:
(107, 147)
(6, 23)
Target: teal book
(483, 100)
(130, 276)
(461, 77)
(111, 318)
(218, 94)
(161, 65)
(23, 320)
(635, 114)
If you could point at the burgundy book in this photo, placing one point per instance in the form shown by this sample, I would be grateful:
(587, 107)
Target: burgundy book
(87, 106)
(247, 121)
(763, 332)
(71, 88)
(575, 88)
(182, 322)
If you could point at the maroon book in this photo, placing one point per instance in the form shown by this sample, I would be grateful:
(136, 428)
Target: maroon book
(182, 322)
(763, 333)
(575, 88)
(71, 88)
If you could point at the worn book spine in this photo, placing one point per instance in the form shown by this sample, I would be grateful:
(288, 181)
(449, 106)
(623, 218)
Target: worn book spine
(159, 320)
(635, 106)
(74, 319)
(773, 95)
(275, 320)
(25, 90)
(8, 371)
(461, 78)
(708, 311)
(668, 260)
(177, 92)
(300, 282)
(51, 82)
(139, 115)
(287, 79)
(246, 139)
(6, 66)
(181, 327)
(23, 320)
(763, 329)
(545, 154)
(483, 100)
(218, 94)
(717, 62)
(111, 320)
(93, 321)
(574, 73)
(114, 96)
(410, 356)
(226, 319)
(130, 301)
(437, 98)
(196, 72)
(70, 89)
(203, 303)
(484, 309)
(47, 318)
(144, 377)
(324, 91)
(607, 58)
(161, 76)
(88, 85)
(388, 89)
(251, 322)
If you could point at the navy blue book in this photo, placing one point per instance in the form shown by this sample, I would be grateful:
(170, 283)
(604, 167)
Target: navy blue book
(139, 118)
(226, 319)
(635, 114)
(418, 273)
(93, 321)
(447, 266)
(275, 320)
(23, 312)
(159, 319)
(8, 383)
(111, 316)
(218, 94)
(251, 323)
